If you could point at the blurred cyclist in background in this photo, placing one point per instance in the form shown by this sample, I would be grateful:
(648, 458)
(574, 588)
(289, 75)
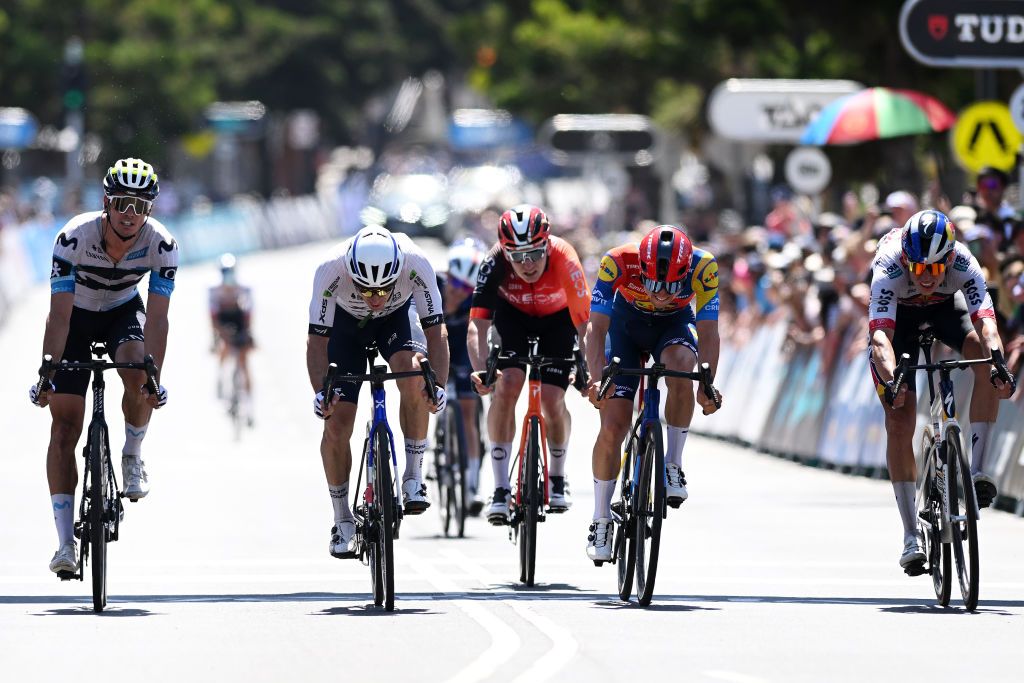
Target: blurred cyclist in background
(464, 257)
(231, 318)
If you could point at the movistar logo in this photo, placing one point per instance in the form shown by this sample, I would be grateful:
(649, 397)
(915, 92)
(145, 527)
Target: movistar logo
(61, 506)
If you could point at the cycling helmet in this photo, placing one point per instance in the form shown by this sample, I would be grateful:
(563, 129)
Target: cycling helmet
(374, 258)
(523, 227)
(227, 263)
(928, 237)
(665, 254)
(131, 177)
(463, 262)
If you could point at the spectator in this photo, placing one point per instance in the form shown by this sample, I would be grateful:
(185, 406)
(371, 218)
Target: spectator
(901, 205)
(993, 209)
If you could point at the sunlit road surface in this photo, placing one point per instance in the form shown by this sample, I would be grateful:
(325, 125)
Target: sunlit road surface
(770, 572)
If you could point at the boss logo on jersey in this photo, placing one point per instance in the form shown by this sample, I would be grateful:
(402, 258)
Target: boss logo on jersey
(884, 299)
(60, 268)
(971, 290)
(168, 273)
(138, 253)
(63, 241)
(609, 270)
(323, 310)
(961, 263)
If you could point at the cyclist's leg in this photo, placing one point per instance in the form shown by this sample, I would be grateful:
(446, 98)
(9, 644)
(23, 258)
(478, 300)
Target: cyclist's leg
(510, 325)
(677, 349)
(460, 370)
(67, 411)
(899, 436)
(557, 335)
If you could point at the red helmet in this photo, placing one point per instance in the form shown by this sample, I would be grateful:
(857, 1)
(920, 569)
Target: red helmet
(665, 254)
(523, 227)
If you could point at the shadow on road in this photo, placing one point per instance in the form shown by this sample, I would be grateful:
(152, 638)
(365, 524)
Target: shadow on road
(86, 610)
(952, 609)
(653, 607)
(370, 610)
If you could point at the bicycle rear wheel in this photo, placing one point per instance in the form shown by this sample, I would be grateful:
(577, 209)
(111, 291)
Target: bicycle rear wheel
(98, 459)
(929, 506)
(625, 554)
(442, 471)
(649, 509)
(963, 519)
(384, 500)
(529, 504)
(456, 449)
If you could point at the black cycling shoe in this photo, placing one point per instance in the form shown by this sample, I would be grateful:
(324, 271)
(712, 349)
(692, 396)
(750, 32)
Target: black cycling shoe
(984, 490)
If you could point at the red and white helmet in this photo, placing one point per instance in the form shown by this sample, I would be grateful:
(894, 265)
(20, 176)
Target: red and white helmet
(523, 227)
(665, 254)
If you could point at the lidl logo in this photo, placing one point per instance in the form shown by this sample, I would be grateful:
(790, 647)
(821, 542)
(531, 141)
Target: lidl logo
(609, 270)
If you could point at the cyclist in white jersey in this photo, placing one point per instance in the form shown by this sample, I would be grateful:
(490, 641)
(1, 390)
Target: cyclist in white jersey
(99, 258)
(361, 294)
(231, 318)
(920, 275)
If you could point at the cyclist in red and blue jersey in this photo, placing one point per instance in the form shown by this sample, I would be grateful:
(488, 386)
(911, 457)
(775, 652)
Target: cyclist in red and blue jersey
(657, 297)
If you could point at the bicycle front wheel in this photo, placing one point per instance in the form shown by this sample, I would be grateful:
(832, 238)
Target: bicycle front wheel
(529, 504)
(98, 459)
(625, 554)
(649, 510)
(384, 497)
(963, 517)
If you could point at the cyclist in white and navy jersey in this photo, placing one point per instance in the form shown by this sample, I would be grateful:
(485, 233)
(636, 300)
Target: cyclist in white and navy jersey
(361, 294)
(922, 275)
(99, 258)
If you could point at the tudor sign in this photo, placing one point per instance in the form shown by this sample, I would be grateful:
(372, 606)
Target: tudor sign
(975, 34)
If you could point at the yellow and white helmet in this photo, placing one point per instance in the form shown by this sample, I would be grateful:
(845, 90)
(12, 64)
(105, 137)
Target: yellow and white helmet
(132, 177)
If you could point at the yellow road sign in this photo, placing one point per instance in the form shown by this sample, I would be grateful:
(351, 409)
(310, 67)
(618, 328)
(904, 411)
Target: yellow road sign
(985, 135)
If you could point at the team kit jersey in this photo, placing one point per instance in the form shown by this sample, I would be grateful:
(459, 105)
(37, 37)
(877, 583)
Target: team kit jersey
(619, 276)
(81, 265)
(333, 286)
(891, 285)
(561, 286)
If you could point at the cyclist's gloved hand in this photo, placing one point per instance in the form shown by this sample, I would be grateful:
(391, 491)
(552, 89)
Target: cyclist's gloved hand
(318, 403)
(440, 399)
(1000, 372)
(33, 394)
(161, 395)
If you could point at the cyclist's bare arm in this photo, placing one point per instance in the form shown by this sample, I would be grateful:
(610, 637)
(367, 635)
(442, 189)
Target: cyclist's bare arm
(58, 322)
(710, 344)
(437, 351)
(155, 331)
(594, 344)
(476, 341)
(316, 360)
(882, 353)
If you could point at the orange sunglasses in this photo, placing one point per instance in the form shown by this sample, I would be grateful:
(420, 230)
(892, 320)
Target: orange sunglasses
(935, 269)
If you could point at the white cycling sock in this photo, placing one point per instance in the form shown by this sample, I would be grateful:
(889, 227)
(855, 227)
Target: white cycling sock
(499, 464)
(339, 499)
(674, 447)
(133, 437)
(603, 492)
(979, 439)
(64, 516)
(414, 449)
(556, 466)
(906, 491)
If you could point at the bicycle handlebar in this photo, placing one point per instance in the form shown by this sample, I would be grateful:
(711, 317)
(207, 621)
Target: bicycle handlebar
(332, 378)
(899, 376)
(532, 358)
(148, 365)
(702, 375)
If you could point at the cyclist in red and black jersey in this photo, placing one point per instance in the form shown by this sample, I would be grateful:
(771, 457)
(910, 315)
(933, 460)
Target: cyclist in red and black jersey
(530, 284)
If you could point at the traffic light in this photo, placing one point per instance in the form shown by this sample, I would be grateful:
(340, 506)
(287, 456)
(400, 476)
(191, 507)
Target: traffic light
(72, 85)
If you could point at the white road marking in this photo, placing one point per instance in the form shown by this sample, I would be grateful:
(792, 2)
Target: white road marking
(734, 677)
(563, 645)
(505, 642)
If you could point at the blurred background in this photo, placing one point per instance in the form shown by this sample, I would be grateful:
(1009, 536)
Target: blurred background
(786, 137)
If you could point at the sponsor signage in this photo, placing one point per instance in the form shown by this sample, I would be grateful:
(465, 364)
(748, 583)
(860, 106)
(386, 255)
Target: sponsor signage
(18, 128)
(629, 139)
(974, 34)
(985, 135)
(808, 170)
(771, 110)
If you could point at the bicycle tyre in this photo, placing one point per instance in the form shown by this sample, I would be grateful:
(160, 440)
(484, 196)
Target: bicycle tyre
(442, 469)
(962, 503)
(98, 458)
(625, 554)
(529, 504)
(650, 510)
(236, 398)
(386, 496)
(457, 429)
(374, 527)
(929, 505)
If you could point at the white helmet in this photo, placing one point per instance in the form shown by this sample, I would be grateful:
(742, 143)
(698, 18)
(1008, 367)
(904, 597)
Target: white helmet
(374, 258)
(463, 261)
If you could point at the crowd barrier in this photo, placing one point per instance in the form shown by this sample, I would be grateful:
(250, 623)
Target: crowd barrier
(785, 402)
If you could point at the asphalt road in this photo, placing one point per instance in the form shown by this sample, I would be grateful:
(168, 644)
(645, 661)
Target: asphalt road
(770, 572)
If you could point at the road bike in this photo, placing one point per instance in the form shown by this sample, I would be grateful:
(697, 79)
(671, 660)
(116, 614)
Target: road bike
(451, 462)
(642, 504)
(379, 514)
(946, 500)
(530, 502)
(100, 511)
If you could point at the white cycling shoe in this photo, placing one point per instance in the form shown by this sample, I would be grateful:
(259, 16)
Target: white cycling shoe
(414, 496)
(913, 552)
(65, 559)
(343, 539)
(136, 482)
(497, 512)
(675, 485)
(600, 540)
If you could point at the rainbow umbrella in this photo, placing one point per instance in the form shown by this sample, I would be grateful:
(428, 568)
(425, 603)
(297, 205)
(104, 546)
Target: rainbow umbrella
(875, 113)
